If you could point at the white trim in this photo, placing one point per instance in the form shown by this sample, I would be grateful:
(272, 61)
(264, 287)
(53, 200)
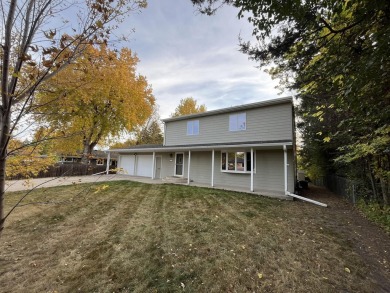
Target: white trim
(174, 166)
(277, 145)
(251, 169)
(190, 126)
(234, 122)
(285, 169)
(235, 162)
(189, 165)
(212, 167)
(153, 163)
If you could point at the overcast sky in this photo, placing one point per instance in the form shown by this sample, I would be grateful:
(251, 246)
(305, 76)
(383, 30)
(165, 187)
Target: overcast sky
(183, 53)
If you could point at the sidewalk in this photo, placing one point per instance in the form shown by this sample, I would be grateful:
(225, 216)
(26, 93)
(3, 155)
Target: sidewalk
(18, 185)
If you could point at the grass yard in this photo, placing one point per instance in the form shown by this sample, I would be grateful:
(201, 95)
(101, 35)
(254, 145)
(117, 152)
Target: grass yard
(134, 237)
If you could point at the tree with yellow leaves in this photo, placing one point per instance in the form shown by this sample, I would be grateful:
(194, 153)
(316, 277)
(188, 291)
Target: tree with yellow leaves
(188, 106)
(26, 160)
(38, 40)
(101, 96)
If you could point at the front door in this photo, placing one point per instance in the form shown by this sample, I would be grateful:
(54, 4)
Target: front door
(157, 174)
(179, 164)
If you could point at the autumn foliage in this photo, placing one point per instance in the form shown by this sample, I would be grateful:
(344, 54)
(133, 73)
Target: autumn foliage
(188, 106)
(27, 160)
(97, 97)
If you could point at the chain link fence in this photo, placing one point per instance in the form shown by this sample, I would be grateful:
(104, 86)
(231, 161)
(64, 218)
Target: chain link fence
(352, 190)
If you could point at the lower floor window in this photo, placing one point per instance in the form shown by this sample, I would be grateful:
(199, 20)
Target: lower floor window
(236, 162)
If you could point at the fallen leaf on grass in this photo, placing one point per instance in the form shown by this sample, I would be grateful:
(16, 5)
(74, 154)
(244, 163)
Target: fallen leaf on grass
(347, 270)
(260, 275)
(182, 285)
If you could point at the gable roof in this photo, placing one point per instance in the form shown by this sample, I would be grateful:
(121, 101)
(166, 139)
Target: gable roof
(232, 109)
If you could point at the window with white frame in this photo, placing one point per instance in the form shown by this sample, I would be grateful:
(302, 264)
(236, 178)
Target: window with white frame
(237, 122)
(193, 127)
(237, 162)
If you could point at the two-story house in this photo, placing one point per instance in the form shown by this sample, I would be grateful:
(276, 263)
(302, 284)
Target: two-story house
(248, 147)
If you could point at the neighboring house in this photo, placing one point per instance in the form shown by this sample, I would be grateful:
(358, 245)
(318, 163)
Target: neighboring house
(97, 158)
(249, 148)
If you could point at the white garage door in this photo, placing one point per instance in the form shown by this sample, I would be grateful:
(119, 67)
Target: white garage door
(127, 163)
(144, 165)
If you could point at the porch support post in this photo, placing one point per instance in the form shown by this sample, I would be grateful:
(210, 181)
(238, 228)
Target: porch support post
(108, 163)
(189, 166)
(154, 159)
(252, 170)
(285, 169)
(212, 168)
(135, 165)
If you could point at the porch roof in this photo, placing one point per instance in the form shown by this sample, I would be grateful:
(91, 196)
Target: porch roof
(274, 144)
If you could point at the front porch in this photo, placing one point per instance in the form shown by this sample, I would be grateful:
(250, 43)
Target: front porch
(259, 168)
(183, 181)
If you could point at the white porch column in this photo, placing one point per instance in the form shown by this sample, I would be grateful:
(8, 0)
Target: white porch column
(252, 170)
(154, 159)
(212, 168)
(108, 163)
(135, 165)
(285, 169)
(189, 165)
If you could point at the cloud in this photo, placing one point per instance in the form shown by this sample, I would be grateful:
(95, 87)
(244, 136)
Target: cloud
(183, 53)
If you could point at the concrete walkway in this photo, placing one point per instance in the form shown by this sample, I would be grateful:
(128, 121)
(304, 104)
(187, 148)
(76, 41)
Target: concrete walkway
(19, 185)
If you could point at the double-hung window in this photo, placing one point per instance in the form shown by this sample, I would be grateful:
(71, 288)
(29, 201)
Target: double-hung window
(193, 127)
(237, 122)
(236, 162)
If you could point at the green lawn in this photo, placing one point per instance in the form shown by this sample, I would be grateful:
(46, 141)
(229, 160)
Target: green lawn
(133, 237)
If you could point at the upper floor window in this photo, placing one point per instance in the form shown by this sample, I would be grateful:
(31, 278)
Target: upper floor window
(193, 127)
(237, 122)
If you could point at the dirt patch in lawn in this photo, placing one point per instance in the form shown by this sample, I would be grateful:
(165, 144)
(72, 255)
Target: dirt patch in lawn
(133, 237)
(368, 240)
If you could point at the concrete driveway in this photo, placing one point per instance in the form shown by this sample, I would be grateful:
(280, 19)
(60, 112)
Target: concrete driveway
(18, 185)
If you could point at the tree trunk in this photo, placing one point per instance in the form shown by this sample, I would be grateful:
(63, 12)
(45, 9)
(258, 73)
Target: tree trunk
(384, 188)
(373, 185)
(2, 191)
(86, 153)
(4, 135)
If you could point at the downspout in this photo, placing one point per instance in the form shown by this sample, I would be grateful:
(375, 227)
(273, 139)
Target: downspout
(212, 167)
(307, 199)
(189, 165)
(252, 167)
(285, 169)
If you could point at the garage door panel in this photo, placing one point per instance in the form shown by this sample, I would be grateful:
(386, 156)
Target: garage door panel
(127, 163)
(144, 165)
